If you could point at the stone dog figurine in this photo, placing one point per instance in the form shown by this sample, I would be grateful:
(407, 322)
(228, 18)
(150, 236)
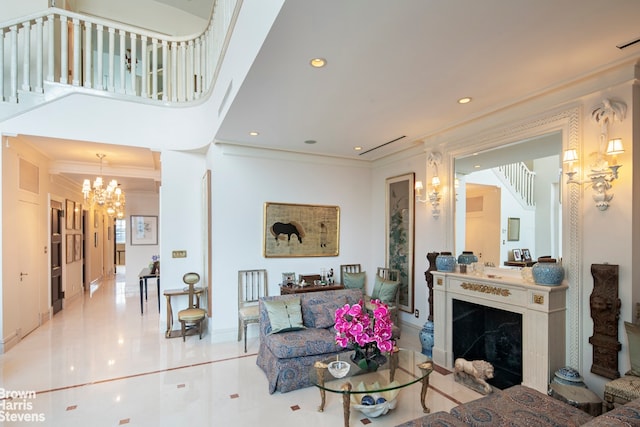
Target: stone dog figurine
(473, 374)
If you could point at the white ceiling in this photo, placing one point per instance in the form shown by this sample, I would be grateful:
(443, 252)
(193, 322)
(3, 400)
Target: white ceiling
(395, 69)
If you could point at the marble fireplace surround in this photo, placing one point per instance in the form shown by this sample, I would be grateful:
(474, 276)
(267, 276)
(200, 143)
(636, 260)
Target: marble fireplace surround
(543, 310)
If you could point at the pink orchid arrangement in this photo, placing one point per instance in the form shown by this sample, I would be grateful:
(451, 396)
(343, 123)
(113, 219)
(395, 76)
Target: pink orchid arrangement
(355, 325)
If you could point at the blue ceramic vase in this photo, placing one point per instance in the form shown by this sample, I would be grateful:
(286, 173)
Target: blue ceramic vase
(426, 338)
(547, 272)
(445, 262)
(467, 257)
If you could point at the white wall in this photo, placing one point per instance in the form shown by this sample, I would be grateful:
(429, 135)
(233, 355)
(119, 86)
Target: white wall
(242, 181)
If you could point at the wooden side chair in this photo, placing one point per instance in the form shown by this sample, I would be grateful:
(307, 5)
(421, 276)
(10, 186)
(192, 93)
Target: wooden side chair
(193, 316)
(390, 278)
(252, 285)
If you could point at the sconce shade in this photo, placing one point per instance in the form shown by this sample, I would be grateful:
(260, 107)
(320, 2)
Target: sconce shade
(435, 181)
(615, 147)
(418, 186)
(570, 156)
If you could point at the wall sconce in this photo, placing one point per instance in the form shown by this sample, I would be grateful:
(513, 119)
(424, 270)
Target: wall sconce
(603, 172)
(434, 195)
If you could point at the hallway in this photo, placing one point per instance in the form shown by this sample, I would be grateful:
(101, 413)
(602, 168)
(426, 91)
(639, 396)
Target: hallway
(99, 362)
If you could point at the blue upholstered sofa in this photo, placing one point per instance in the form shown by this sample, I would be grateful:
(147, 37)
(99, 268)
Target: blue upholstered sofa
(287, 357)
(523, 406)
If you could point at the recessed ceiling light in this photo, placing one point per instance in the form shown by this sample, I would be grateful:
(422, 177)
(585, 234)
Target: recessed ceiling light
(477, 166)
(318, 62)
(465, 100)
(310, 141)
(254, 133)
(358, 148)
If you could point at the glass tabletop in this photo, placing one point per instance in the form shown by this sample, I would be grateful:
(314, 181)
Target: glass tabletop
(402, 368)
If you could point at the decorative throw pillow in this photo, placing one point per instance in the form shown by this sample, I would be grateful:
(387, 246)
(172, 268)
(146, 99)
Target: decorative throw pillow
(284, 315)
(354, 280)
(385, 290)
(322, 314)
(633, 338)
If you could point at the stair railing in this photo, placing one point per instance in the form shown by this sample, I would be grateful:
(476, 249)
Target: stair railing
(521, 180)
(59, 48)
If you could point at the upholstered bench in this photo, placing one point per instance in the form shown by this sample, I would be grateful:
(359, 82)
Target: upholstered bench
(621, 391)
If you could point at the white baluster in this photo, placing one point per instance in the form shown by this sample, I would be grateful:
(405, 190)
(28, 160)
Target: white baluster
(88, 69)
(134, 89)
(183, 71)
(39, 56)
(64, 50)
(190, 74)
(196, 68)
(174, 71)
(154, 68)
(165, 70)
(145, 66)
(75, 79)
(50, 48)
(26, 63)
(1, 64)
(112, 50)
(99, 53)
(123, 61)
(13, 76)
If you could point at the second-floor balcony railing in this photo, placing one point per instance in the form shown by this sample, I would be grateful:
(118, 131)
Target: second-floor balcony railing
(44, 53)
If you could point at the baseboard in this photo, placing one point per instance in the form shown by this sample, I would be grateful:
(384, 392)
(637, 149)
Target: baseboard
(9, 342)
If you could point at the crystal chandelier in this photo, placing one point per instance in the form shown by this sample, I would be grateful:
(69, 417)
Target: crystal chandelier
(111, 198)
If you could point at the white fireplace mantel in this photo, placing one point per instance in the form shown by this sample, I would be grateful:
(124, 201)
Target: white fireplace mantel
(543, 310)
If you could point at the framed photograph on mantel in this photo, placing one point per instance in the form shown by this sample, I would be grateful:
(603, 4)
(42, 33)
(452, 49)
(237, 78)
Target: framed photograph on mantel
(144, 230)
(399, 214)
(300, 230)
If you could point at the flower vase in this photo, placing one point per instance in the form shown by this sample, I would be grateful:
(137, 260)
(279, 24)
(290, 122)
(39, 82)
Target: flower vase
(368, 358)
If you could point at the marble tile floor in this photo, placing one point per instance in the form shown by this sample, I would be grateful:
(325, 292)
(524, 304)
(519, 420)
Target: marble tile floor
(100, 363)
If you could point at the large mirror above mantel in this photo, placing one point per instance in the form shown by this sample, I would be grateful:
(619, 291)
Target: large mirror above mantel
(557, 131)
(508, 201)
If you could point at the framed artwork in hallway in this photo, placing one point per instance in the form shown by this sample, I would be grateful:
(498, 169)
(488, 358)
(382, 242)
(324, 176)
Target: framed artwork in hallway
(69, 214)
(144, 230)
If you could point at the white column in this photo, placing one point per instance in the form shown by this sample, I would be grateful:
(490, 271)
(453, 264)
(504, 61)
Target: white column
(112, 50)
(1, 64)
(134, 54)
(64, 50)
(123, 62)
(165, 70)
(75, 79)
(39, 55)
(50, 47)
(26, 46)
(88, 69)
(99, 53)
(13, 74)
(145, 67)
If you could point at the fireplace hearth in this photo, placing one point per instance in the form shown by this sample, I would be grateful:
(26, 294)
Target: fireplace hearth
(491, 334)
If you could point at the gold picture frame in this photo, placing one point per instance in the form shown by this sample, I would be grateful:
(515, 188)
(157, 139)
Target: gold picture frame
(400, 209)
(69, 214)
(69, 248)
(294, 230)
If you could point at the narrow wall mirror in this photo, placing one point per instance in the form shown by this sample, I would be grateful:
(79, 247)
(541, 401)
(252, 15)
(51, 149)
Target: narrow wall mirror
(513, 229)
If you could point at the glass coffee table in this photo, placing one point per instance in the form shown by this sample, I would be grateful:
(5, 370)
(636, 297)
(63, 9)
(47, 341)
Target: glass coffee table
(402, 368)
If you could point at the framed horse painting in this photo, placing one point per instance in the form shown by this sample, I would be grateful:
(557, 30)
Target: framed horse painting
(292, 230)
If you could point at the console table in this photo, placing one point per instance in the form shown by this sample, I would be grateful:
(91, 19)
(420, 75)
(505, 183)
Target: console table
(297, 289)
(143, 276)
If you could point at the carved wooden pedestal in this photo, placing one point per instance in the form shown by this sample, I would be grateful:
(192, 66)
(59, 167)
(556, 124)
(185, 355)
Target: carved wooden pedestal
(605, 312)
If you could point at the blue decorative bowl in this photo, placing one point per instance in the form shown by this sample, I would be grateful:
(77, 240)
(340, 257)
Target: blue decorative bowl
(445, 262)
(568, 376)
(547, 272)
(467, 257)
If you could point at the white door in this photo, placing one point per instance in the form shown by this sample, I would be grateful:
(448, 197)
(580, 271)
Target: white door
(27, 277)
(483, 219)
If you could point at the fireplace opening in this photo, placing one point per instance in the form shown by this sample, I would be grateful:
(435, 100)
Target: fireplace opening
(491, 334)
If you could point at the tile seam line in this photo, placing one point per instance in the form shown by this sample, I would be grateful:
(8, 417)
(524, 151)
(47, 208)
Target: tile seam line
(141, 374)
